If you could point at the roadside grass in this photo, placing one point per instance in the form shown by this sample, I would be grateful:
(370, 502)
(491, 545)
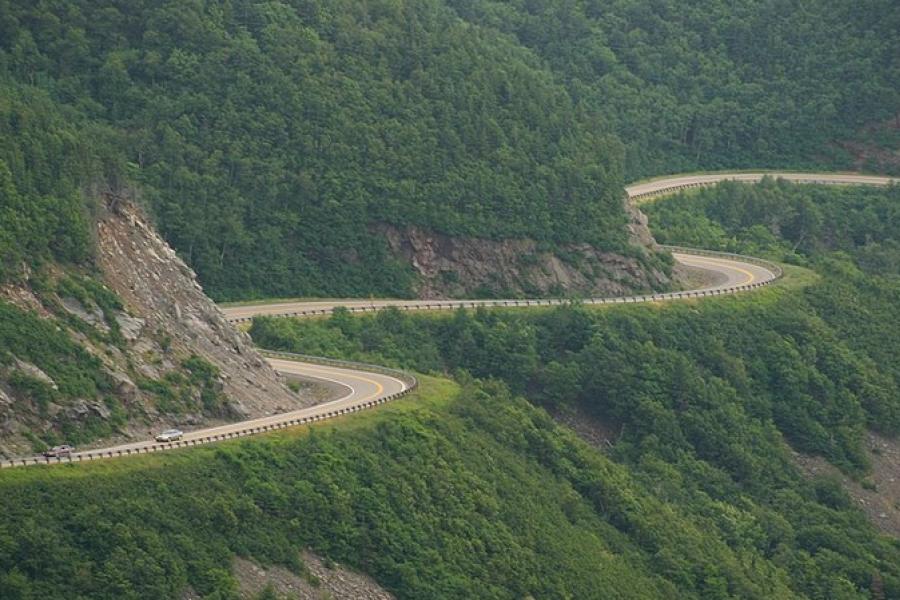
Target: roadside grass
(796, 278)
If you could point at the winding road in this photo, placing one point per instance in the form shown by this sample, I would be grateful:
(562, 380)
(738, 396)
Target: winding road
(367, 386)
(731, 272)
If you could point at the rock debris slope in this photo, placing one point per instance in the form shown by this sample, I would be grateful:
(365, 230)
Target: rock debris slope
(162, 292)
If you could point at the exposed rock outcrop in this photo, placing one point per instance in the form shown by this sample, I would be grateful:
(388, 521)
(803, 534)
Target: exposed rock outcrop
(879, 494)
(455, 266)
(161, 294)
(93, 317)
(165, 357)
(34, 372)
(459, 266)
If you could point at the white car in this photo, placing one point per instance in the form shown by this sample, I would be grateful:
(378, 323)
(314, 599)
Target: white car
(170, 435)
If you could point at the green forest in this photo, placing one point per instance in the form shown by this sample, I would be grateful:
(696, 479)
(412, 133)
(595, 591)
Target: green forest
(268, 137)
(703, 394)
(458, 493)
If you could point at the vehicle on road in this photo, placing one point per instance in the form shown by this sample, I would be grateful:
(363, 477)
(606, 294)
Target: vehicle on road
(170, 435)
(59, 451)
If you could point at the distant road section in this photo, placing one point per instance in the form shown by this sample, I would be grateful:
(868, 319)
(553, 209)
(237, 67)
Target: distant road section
(639, 192)
(732, 274)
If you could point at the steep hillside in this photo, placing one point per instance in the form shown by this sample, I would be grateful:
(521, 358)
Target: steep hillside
(120, 345)
(449, 494)
(123, 348)
(104, 332)
(270, 138)
(852, 236)
(713, 84)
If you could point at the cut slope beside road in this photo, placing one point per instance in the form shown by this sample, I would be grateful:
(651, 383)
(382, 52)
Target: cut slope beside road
(733, 273)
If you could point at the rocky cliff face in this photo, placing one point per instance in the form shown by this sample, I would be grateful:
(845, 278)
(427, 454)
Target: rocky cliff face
(158, 287)
(157, 349)
(457, 266)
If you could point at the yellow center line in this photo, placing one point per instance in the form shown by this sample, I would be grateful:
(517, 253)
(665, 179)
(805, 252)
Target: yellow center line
(379, 388)
(750, 276)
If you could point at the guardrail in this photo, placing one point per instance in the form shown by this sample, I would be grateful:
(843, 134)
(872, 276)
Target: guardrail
(672, 189)
(514, 303)
(408, 379)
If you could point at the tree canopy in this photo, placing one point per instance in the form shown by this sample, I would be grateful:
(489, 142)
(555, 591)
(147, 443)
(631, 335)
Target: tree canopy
(268, 137)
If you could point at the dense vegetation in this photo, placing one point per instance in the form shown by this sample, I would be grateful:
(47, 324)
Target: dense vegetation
(44, 162)
(800, 224)
(849, 235)
(269, 136)
(712, 84)
(481, 497)
(75, 373)
(703, 394)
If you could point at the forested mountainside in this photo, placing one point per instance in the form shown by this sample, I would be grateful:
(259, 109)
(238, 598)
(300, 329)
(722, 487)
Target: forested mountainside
(104, 333)
(472, 491)
(712, 402)
(121, 347)
(712, 84)
(272, 139)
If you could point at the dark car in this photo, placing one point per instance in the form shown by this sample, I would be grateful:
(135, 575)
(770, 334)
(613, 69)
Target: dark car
(59, 451)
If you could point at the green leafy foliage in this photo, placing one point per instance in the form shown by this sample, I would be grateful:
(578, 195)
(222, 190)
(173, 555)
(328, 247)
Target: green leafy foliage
(802, 224)
(850, 235)
(269, 137)
(485, 497)
(42, 165)
(38, 341)
(712, 84)
(704, 394)
(194, 388)
(694, 378)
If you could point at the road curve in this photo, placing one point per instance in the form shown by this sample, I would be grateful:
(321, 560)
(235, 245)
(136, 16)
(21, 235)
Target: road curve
(359, 390)
(366, 387)
(732, 274)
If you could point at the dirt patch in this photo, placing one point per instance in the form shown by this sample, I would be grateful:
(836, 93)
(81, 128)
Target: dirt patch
(877, 148)
(316, 391)
(320, 582)
(877, 495)
(596, 432)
